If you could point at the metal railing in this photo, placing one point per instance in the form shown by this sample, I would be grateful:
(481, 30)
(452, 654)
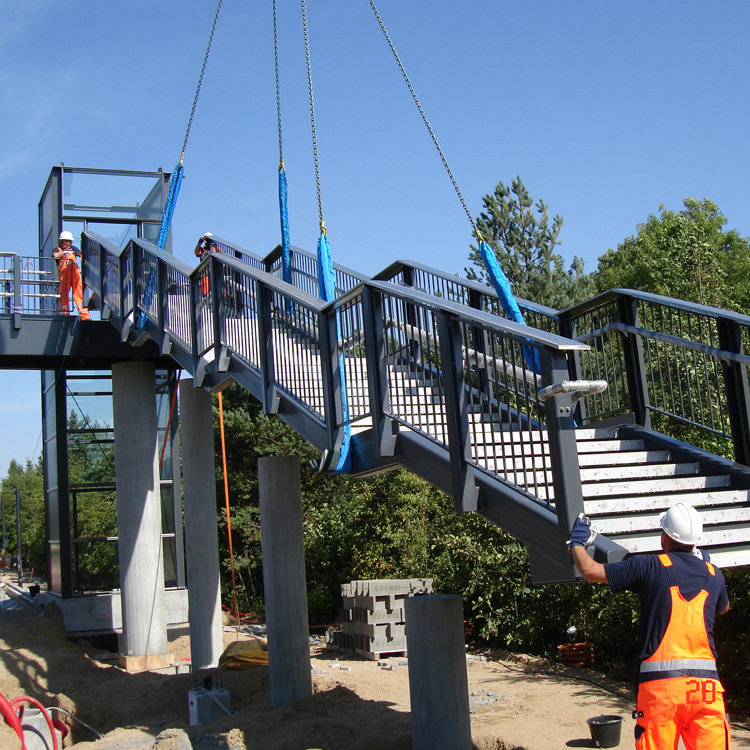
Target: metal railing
(29, 285)
(455, 376)
(676, 366)
(466, 292)
(304, 269)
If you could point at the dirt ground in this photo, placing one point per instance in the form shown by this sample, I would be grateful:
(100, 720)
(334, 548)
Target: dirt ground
(516, 701)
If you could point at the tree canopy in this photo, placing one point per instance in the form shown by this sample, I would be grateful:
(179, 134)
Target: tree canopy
(685, 254)
(524, 238)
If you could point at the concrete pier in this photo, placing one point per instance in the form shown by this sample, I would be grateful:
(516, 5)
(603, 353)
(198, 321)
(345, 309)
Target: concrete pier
(438, 683)
(284, 580)
(143, 644)
(201, 533)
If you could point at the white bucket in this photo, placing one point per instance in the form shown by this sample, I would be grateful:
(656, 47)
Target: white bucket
(36, 733)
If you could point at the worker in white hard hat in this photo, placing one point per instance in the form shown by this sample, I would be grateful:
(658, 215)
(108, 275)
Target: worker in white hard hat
(205, 245)
(681, 592)
(70, 277)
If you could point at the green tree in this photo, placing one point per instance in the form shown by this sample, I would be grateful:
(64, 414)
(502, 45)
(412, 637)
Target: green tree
(685, 254)
(524, 239)
(29, 480)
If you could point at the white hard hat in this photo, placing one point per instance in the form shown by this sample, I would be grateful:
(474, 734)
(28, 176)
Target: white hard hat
(208, 234)
(66, 236)
(682, 523)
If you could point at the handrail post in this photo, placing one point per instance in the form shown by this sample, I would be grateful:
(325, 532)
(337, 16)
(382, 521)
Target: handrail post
(194, 286)
(465, 491)
(377, 373)
(479, 344)
(269, 396)
(635, 367)
(330, 367)
(16, 292)
(568, 327)
(563, 450)
(415, 348)
(161, 296)
(736, 386)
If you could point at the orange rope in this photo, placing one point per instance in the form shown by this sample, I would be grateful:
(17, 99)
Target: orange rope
(226, 501)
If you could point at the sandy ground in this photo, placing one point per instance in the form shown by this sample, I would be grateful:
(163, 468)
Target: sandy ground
(516, 701)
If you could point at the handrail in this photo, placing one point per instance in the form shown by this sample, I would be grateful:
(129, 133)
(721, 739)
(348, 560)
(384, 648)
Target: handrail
(669, 362)
(465, 291)
(672, 302)
(346, 278)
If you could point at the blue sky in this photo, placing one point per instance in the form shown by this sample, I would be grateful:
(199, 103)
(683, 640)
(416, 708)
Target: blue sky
(606, 110)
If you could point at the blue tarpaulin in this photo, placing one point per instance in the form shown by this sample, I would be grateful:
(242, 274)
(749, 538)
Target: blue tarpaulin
(327, 287)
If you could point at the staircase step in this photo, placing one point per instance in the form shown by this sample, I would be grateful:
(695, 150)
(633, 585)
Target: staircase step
(610, 480)
(730, 556)
(586, 460)
(650, 486)
(609, 446)
(627, 524)
(660, 502)
(639, 471)
(722, 535)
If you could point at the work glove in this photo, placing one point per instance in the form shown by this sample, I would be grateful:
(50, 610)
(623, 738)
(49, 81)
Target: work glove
(581, 535)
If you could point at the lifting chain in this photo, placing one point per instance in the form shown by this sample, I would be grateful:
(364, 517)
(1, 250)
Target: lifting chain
(278, 85)
(424, 118)
(200, 82)
(312, 117)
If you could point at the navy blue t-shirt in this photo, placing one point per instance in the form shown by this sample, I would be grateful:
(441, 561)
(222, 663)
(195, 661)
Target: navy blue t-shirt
(646, 576)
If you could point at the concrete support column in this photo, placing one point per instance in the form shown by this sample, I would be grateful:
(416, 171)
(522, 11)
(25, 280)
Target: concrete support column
(144, 623)
(438, 684)
(201, 532)
(284, 580)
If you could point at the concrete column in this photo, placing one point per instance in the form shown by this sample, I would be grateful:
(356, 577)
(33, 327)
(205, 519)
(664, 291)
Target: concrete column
(284, 580)
(201, 532)
(438, 684)
(144, 630)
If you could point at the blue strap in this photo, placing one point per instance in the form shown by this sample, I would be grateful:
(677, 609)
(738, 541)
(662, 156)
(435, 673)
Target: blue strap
(326, 274)
(286, 256)
(508, 301)
(166, 219)
(166, 222)
(327, 287)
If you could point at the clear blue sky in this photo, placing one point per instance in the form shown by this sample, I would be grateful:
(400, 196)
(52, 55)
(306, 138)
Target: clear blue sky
(606, 110)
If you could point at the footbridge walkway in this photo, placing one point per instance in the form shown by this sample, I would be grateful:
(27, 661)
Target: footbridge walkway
(634, 398)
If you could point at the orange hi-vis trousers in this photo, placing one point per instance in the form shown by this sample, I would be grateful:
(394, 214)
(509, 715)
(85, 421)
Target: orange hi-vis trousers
(679, 695)
(70, 281)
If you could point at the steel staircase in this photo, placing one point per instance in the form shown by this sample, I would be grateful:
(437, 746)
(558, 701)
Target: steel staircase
(427, 374)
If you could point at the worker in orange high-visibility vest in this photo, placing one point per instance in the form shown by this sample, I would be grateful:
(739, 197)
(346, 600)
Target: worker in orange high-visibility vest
(681, 592)
(70, 276)
(205, 245)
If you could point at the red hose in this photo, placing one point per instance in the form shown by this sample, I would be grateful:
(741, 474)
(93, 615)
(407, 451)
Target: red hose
(6, 709)
(34, 702)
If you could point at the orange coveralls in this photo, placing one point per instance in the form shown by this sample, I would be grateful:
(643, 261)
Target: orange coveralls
(679, 693)
(70, 280)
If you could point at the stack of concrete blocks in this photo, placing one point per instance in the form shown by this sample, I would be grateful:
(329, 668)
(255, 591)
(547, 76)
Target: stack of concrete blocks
(372, 617)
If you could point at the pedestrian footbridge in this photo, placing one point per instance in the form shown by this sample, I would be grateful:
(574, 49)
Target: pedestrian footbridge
(633, 399)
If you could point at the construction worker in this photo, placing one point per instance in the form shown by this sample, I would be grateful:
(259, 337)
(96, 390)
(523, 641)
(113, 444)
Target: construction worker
(681, 592)
(205, 245)
(70, 276)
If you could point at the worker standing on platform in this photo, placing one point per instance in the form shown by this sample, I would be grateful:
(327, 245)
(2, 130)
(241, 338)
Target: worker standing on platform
(205, 245)
(681, 592)
(70, 276)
